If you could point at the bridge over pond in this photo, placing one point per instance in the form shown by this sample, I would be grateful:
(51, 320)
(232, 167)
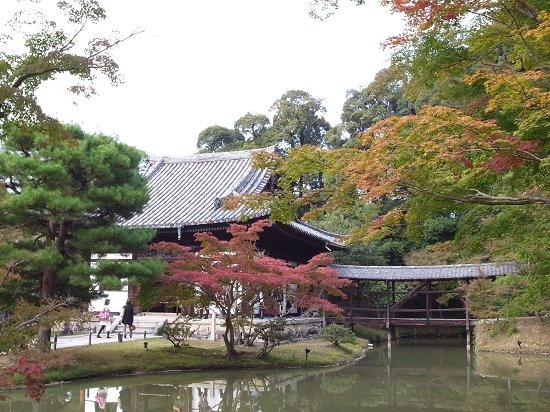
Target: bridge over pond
(413, 296)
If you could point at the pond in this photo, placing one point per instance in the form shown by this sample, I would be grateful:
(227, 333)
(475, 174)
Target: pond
(415, 377)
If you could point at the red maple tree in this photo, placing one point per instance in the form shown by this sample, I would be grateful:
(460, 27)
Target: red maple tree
(233, 276)
(29, 370)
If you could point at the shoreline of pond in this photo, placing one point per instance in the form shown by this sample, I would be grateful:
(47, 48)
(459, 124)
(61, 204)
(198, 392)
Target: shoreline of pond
(454, 380)
(132, 359)
(527, 335)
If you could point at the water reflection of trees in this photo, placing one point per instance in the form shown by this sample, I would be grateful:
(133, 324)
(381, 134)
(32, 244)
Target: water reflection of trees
(404, 382)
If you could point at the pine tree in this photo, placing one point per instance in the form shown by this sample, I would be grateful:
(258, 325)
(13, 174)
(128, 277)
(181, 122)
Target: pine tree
(65, 196)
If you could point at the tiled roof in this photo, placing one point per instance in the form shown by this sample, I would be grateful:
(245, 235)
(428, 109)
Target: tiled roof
(403, 273)
(327, 237)
(189, 190)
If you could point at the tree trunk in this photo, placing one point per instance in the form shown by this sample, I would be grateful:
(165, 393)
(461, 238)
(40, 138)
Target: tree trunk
(47, 291)
(47, 284)
(229, 337)
(228, 400)
(43, 343)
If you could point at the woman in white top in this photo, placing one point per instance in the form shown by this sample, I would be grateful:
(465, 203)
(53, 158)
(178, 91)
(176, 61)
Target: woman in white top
(105, 319)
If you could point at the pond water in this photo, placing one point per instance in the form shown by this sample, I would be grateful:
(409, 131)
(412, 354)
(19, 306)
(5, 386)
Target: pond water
(415, 377)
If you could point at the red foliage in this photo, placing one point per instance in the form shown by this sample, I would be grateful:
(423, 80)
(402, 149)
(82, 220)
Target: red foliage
(32, 372)
(422, 15)
(462, 157)
(513, 156)
(527, 146)
(500, 163)
(233, 274)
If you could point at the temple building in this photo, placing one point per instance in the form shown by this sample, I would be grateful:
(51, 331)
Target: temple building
(186, 196)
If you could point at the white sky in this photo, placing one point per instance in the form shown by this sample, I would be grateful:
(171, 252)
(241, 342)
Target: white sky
(206, 62)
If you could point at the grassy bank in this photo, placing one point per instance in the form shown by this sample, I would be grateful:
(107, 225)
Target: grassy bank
(504, 335)
(132, 358)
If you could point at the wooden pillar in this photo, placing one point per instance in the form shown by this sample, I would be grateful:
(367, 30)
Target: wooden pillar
(468, 336)
(387, 304)
(366, 296)
(468, 351)
(427, 302)
(392, 328)
(352, 291)
(388, 314)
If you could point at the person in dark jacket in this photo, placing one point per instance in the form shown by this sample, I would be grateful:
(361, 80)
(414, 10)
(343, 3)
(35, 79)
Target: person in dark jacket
(128, 316)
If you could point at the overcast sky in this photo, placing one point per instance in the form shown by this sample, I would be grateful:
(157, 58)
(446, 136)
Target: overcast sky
(206, 62)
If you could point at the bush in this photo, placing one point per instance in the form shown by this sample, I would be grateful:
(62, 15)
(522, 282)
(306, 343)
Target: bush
(337, 334)
(272, 333)
(371, 334)
(177, 332)
(503, 327)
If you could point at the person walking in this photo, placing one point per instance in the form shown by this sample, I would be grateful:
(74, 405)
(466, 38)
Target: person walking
(105, 319)
(128, 317)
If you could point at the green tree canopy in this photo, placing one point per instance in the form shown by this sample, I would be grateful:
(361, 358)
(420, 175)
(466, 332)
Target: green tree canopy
(252, 126)
(477, 147)
(51, 47)
(65, 197)
(381, 99)
(298, 119)
(219, 139)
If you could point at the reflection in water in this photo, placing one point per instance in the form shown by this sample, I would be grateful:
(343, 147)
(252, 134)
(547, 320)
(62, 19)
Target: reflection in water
(416, 378)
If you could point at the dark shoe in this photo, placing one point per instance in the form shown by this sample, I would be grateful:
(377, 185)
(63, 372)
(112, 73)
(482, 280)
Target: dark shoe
(125, 336)
(108, 337)
(98, 336)
(130, 335)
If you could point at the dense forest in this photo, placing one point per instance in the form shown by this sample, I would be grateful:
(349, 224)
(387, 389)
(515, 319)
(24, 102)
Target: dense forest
(441, 159)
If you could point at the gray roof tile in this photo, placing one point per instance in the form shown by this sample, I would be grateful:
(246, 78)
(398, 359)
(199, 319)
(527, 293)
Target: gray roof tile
(403, 273)
(188, 190)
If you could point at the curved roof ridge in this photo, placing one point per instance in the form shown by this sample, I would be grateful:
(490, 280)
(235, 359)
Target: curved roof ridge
(216, 156)
(329, 237)
(318, 229)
